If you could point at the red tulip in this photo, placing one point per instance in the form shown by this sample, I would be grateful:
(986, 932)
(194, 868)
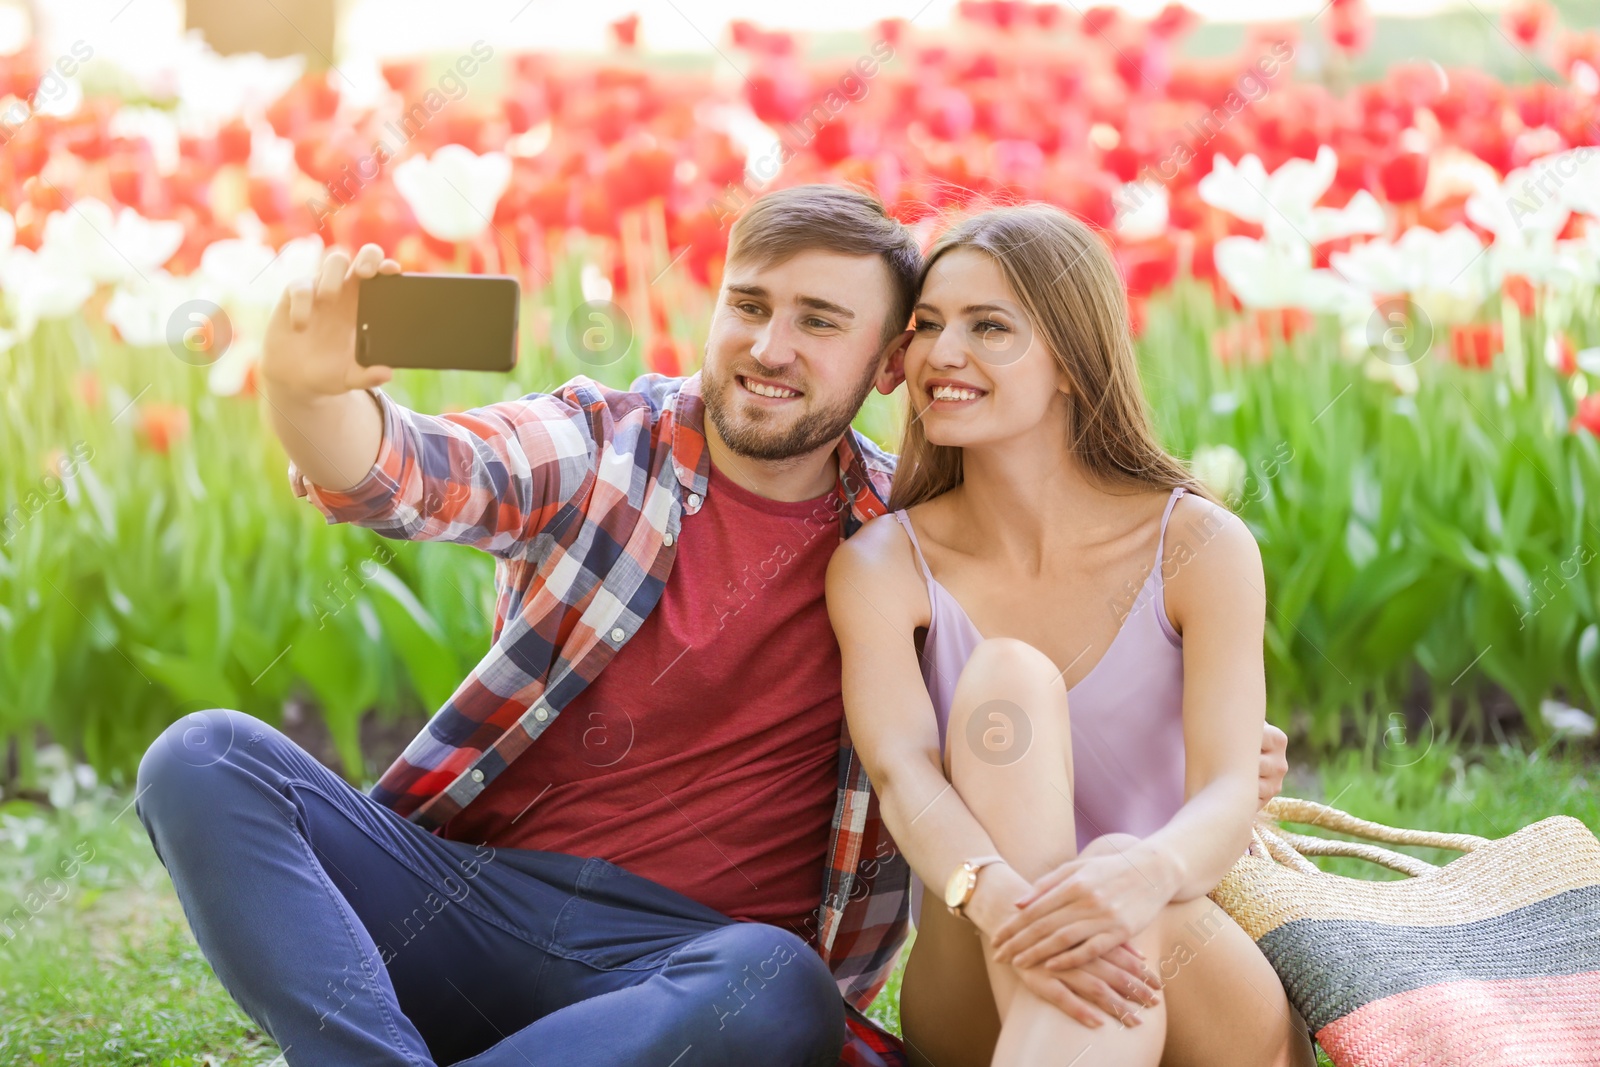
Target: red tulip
(1475, 345)
(1565, 353)
(1048, 16)
(269, 199)
(28, 149)
(1522, 293)
(1588, 415)
(892, 31)
(20, 74)
(950, 114)
(84, 133)
(1240, 342)
(1283, 324)
(234, 141)
(1573, 47)
(1404, 177)
(1122, 161)
(776, 96)
(625, 31)
(1100, 20)
(86, 383)
(404, 75)
(639, 175)
(163, 425)
(1349, 27)
(1173, 22)
(1528, 21)
(1148, 265)
(1541, 104)
(664, 357)
(1136, 315)
(133, 180)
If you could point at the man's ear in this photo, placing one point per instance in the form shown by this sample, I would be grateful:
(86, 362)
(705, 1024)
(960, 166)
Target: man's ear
(892, 372)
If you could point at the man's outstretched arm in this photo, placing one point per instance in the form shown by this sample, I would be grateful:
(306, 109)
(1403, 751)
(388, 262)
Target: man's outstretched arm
(492, 477)
(330, 426)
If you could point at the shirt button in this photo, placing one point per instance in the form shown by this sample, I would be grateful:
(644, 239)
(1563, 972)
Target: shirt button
(618, 634)
(477, 775)
(667, 540)
(541, 714)
(694, 500)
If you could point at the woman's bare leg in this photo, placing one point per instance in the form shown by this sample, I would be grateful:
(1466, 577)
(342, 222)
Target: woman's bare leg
(1009, 745)
(1205, 959)
(947, 1010)
(1225, 1004)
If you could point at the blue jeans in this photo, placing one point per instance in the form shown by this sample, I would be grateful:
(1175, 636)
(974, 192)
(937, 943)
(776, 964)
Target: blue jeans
(355, 937)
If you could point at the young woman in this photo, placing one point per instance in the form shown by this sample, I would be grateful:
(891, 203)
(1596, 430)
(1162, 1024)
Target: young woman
(1053, 672)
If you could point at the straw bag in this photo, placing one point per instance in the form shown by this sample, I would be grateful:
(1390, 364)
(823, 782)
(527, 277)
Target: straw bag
(1492, 960)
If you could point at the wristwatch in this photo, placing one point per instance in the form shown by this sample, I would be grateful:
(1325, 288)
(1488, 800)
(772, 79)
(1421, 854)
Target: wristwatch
(964, 881)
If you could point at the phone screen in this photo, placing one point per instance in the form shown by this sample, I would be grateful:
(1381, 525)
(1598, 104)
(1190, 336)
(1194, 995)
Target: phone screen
(438, 321)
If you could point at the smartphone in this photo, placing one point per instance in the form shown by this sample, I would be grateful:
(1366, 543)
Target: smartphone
(438, 321)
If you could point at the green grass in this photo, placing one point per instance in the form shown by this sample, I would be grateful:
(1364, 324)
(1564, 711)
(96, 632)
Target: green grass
(106, 973)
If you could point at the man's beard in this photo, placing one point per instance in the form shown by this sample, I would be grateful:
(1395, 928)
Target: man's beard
(811, 431)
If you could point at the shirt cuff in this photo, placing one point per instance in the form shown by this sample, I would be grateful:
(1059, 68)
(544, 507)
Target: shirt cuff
(373, 497)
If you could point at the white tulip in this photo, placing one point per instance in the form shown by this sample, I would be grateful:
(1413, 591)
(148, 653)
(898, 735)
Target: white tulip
(1220, 469)
(1142, 210)
(1421, 261)
(110, 248)
(1264, 274)
(1565, 720)
(1239, 190)
(243, 273)
(1362, 215)
(454, 193)
(1247, 191)
(153, 125)
(42, 285)
(142, 310)
(1525, 214)
(226, 376)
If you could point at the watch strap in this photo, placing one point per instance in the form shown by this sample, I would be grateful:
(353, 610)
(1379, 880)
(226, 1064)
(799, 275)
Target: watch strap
(975, 864)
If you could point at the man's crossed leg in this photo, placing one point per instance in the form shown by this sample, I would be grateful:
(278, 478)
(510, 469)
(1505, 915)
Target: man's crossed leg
(355, 937)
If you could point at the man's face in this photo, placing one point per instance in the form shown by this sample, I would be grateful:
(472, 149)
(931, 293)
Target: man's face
(794, 348)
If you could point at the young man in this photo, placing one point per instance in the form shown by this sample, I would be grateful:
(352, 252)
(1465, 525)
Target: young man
(691, 870)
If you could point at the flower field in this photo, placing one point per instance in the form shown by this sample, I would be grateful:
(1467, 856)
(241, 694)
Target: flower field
(1369, 313)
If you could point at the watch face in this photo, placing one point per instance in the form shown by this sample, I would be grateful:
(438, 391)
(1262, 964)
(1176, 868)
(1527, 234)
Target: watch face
(955, 890)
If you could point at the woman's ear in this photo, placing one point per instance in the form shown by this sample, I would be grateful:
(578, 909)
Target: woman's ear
(892, 371)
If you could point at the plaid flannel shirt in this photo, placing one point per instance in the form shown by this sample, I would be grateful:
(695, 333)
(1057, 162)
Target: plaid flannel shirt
(580, 495)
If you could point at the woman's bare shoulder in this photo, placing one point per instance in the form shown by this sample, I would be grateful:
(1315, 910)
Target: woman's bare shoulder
(875, 570)
(1209, 551)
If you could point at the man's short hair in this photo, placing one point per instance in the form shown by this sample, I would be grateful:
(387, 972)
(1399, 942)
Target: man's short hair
(831, 218)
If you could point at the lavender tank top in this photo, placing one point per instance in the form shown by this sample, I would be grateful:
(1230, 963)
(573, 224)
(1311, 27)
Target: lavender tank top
(1126, 714)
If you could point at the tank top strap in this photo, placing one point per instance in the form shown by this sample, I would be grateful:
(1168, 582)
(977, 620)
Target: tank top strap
(1161, 544)
(916, 547)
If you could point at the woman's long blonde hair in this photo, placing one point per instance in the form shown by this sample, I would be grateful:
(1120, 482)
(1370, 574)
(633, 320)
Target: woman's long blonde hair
(1069, 286)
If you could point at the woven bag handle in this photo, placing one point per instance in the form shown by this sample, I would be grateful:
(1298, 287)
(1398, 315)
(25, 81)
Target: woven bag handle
(1311, 813)
(1324, 846)
(1269, 843)
(1292, 849)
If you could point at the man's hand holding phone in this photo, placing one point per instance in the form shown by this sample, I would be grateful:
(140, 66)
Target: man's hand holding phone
(310, 346)
(313, 383)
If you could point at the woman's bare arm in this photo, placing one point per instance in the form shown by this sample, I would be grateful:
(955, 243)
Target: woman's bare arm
(1217, 598)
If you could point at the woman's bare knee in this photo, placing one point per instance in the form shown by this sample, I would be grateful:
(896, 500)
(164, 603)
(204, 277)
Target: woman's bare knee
(1008, 699)
(1005, 666)
(1008, 753)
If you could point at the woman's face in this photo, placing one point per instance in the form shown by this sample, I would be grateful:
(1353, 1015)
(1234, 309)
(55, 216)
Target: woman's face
(976, 370)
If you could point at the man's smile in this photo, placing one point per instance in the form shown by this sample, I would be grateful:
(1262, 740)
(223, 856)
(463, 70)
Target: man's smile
(767, 390)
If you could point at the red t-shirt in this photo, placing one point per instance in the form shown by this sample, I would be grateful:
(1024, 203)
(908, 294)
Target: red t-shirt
(705, 755)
